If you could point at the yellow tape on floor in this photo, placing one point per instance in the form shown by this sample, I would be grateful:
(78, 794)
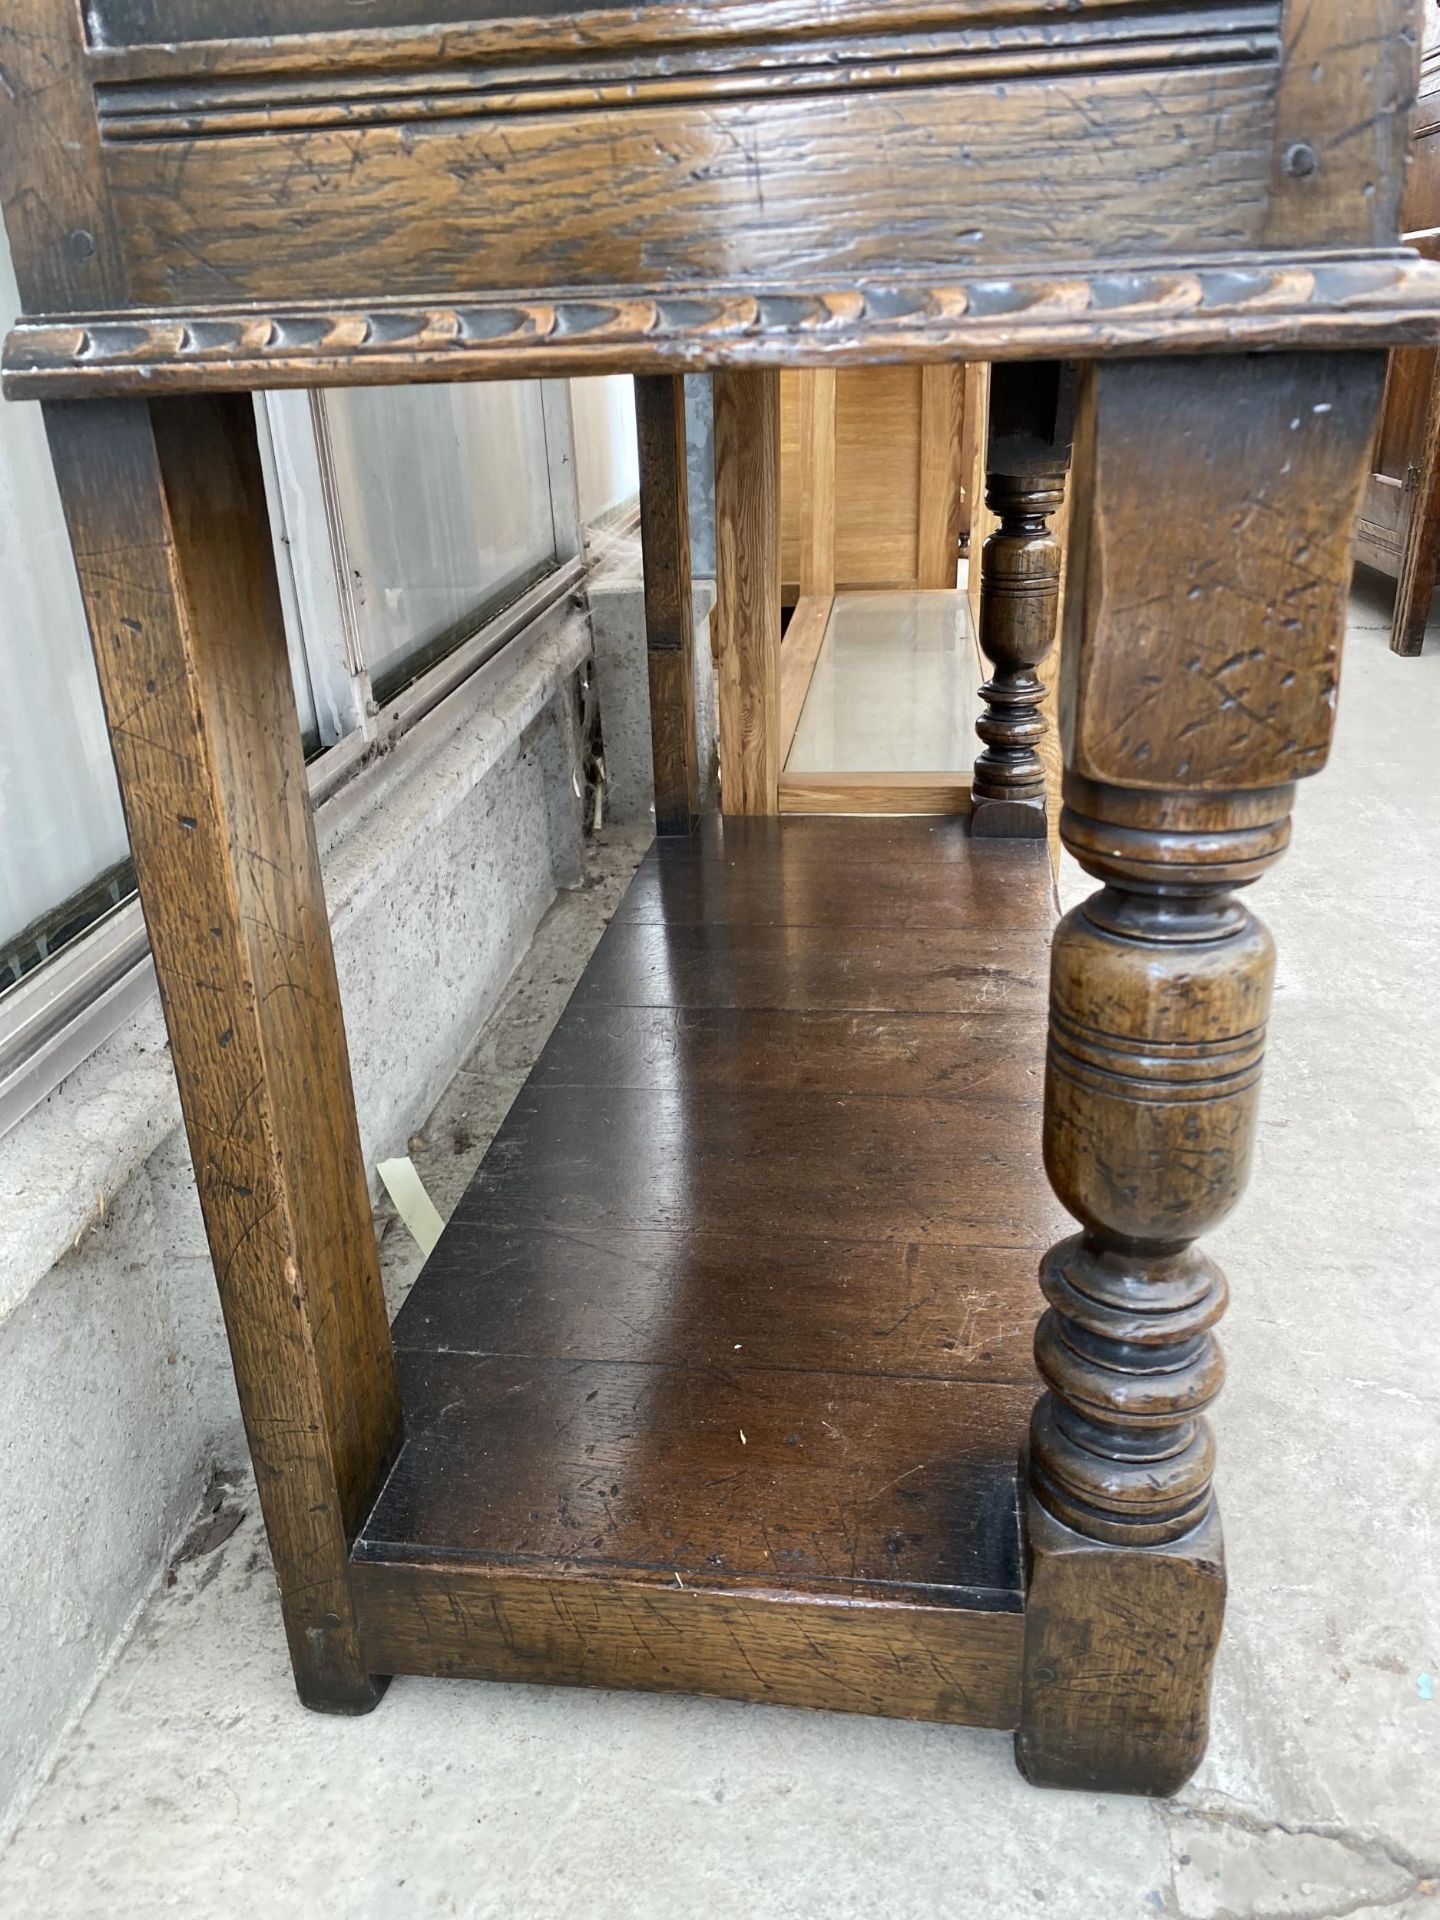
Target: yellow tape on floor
(412, 1202)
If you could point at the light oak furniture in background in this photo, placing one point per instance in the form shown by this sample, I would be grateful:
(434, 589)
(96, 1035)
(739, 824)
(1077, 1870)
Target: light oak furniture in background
(873, 478)
(805, 1057)
(875, 467)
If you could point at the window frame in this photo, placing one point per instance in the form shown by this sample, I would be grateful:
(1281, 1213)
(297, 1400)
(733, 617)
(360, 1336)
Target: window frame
(66, 1008)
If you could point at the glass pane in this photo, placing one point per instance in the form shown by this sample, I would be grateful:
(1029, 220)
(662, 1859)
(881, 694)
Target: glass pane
(444, 497)
(63, 850)
(893, 687)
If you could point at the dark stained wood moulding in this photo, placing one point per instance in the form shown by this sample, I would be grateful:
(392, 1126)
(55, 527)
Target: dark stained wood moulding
(1250, 302)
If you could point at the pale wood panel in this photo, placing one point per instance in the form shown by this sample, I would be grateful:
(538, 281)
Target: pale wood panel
(882, 448)
(798, 653)
(877, 476)
(791, 380)
(875, 793)
(747, 606)
(817, 482)
(942, 474)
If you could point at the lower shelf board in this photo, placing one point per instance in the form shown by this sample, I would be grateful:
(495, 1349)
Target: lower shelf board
(718, 1378)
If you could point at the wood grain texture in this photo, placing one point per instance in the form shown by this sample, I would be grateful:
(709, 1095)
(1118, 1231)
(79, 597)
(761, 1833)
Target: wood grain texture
(841, 1307)
(906, 1170)
(1248, 302)
(942, 476)
(1337, 175)
(877, 482)
(834, 186)
(747, 588)
(1274, 452)
(880, 793)
(171, 39)
(1160, 991)
(1399, 525)
(1095, 1613)
(907, 1661)
(799, 650)
(817, 483)
(716, 1377)
(63, 235)
(1029, 416)
(669, 602)
(981, 1058)
(1420, 559)
(166, 512)
(752, 967)
(862, 1485)
(983, 521)
(874, 484)
(896, 875)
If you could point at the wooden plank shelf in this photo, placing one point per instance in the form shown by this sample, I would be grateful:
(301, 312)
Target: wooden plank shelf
(718, 1378)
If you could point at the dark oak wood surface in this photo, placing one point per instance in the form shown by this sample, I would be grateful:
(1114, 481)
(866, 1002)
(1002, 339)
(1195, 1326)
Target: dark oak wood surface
(907, 970)
(806, 1054)
(739, 1302)
(820, 873)
(936, 1056)
(1200, 683)
(837, 1306)
(1029, 419)
(165, 510)
(862, 1482)
(219, 194)
(669, 605)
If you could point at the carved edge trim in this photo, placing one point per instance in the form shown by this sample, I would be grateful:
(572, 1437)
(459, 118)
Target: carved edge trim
(1373, 300)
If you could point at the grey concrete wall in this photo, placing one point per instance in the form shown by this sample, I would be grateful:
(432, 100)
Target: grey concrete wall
(116, 1400)
(700, 461)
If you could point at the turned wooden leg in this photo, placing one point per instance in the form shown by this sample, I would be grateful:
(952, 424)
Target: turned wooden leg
(1028, 452)
(166, 514)
(1199, 673)
(747, 588)
(669, 603)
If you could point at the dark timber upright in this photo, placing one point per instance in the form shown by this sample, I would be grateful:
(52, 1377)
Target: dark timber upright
(1026, 459)
(669, 606)
(805, 1038)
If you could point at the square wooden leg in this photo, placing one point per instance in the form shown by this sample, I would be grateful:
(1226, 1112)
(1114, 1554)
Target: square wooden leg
(747, 588)
(669, 604)
(167, 519)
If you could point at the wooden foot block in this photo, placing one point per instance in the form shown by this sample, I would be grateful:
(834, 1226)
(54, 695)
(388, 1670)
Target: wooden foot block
(1119, 1643)
(1006, 819)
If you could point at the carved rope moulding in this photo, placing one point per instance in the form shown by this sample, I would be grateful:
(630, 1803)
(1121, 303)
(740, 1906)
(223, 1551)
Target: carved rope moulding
(1244, 305)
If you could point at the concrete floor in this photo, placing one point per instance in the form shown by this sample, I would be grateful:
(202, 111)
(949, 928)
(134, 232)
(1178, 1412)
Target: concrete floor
(195, 1784)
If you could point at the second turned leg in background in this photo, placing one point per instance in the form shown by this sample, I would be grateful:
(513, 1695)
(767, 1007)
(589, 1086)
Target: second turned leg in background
(1031, 406)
